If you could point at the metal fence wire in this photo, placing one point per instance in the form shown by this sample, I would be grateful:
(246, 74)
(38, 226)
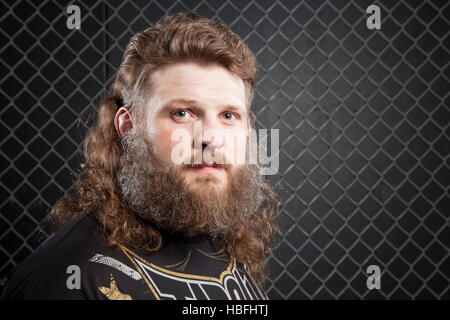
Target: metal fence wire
(363, 117)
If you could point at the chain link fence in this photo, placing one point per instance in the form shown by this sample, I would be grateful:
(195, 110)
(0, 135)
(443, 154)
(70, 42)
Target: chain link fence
(363, 118)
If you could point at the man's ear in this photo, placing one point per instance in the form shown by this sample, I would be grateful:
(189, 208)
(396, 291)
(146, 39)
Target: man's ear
(123, 121)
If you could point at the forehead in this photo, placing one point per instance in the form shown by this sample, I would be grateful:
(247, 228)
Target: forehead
(210, 84)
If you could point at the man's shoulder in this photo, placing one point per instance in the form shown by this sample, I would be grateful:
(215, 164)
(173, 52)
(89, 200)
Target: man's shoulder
(75, 238)
(71, 245)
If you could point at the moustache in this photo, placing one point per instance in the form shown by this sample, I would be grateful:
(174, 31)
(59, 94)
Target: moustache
(223, 163)
(205, 164)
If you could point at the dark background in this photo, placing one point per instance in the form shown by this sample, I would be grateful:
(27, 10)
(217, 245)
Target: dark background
(363, 118)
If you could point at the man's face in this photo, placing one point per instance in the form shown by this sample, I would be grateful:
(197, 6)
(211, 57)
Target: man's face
(188, 198)
(185, 95)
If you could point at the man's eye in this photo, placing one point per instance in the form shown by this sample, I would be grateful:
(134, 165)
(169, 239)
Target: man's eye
(229, 116)
(181, 113)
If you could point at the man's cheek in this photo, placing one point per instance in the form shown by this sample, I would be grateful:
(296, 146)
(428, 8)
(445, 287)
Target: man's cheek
(180, 147)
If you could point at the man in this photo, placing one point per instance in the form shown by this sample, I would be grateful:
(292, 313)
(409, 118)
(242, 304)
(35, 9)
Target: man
(140, 223)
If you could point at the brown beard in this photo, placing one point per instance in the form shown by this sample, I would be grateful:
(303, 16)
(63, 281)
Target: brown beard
(156, 191)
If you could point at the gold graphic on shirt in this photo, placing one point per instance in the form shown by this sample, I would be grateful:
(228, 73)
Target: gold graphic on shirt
(136, 260)
(130, 254)
(182, 264)
(219, 255)
(113, 293)
(226, 272)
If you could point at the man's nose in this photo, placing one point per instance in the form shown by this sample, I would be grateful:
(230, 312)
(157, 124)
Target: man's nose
(208, 132)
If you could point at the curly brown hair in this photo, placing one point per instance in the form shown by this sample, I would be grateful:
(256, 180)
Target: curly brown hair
(176, 38)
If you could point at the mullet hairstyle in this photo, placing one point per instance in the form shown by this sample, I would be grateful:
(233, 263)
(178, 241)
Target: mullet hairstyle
(183, 37)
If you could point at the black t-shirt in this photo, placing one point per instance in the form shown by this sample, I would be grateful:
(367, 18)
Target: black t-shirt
(74, 263)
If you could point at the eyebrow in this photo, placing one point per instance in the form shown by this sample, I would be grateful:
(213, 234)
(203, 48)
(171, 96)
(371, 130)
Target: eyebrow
(194, 104)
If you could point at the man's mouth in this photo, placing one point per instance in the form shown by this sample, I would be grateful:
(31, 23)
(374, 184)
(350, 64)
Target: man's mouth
(207, 168)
